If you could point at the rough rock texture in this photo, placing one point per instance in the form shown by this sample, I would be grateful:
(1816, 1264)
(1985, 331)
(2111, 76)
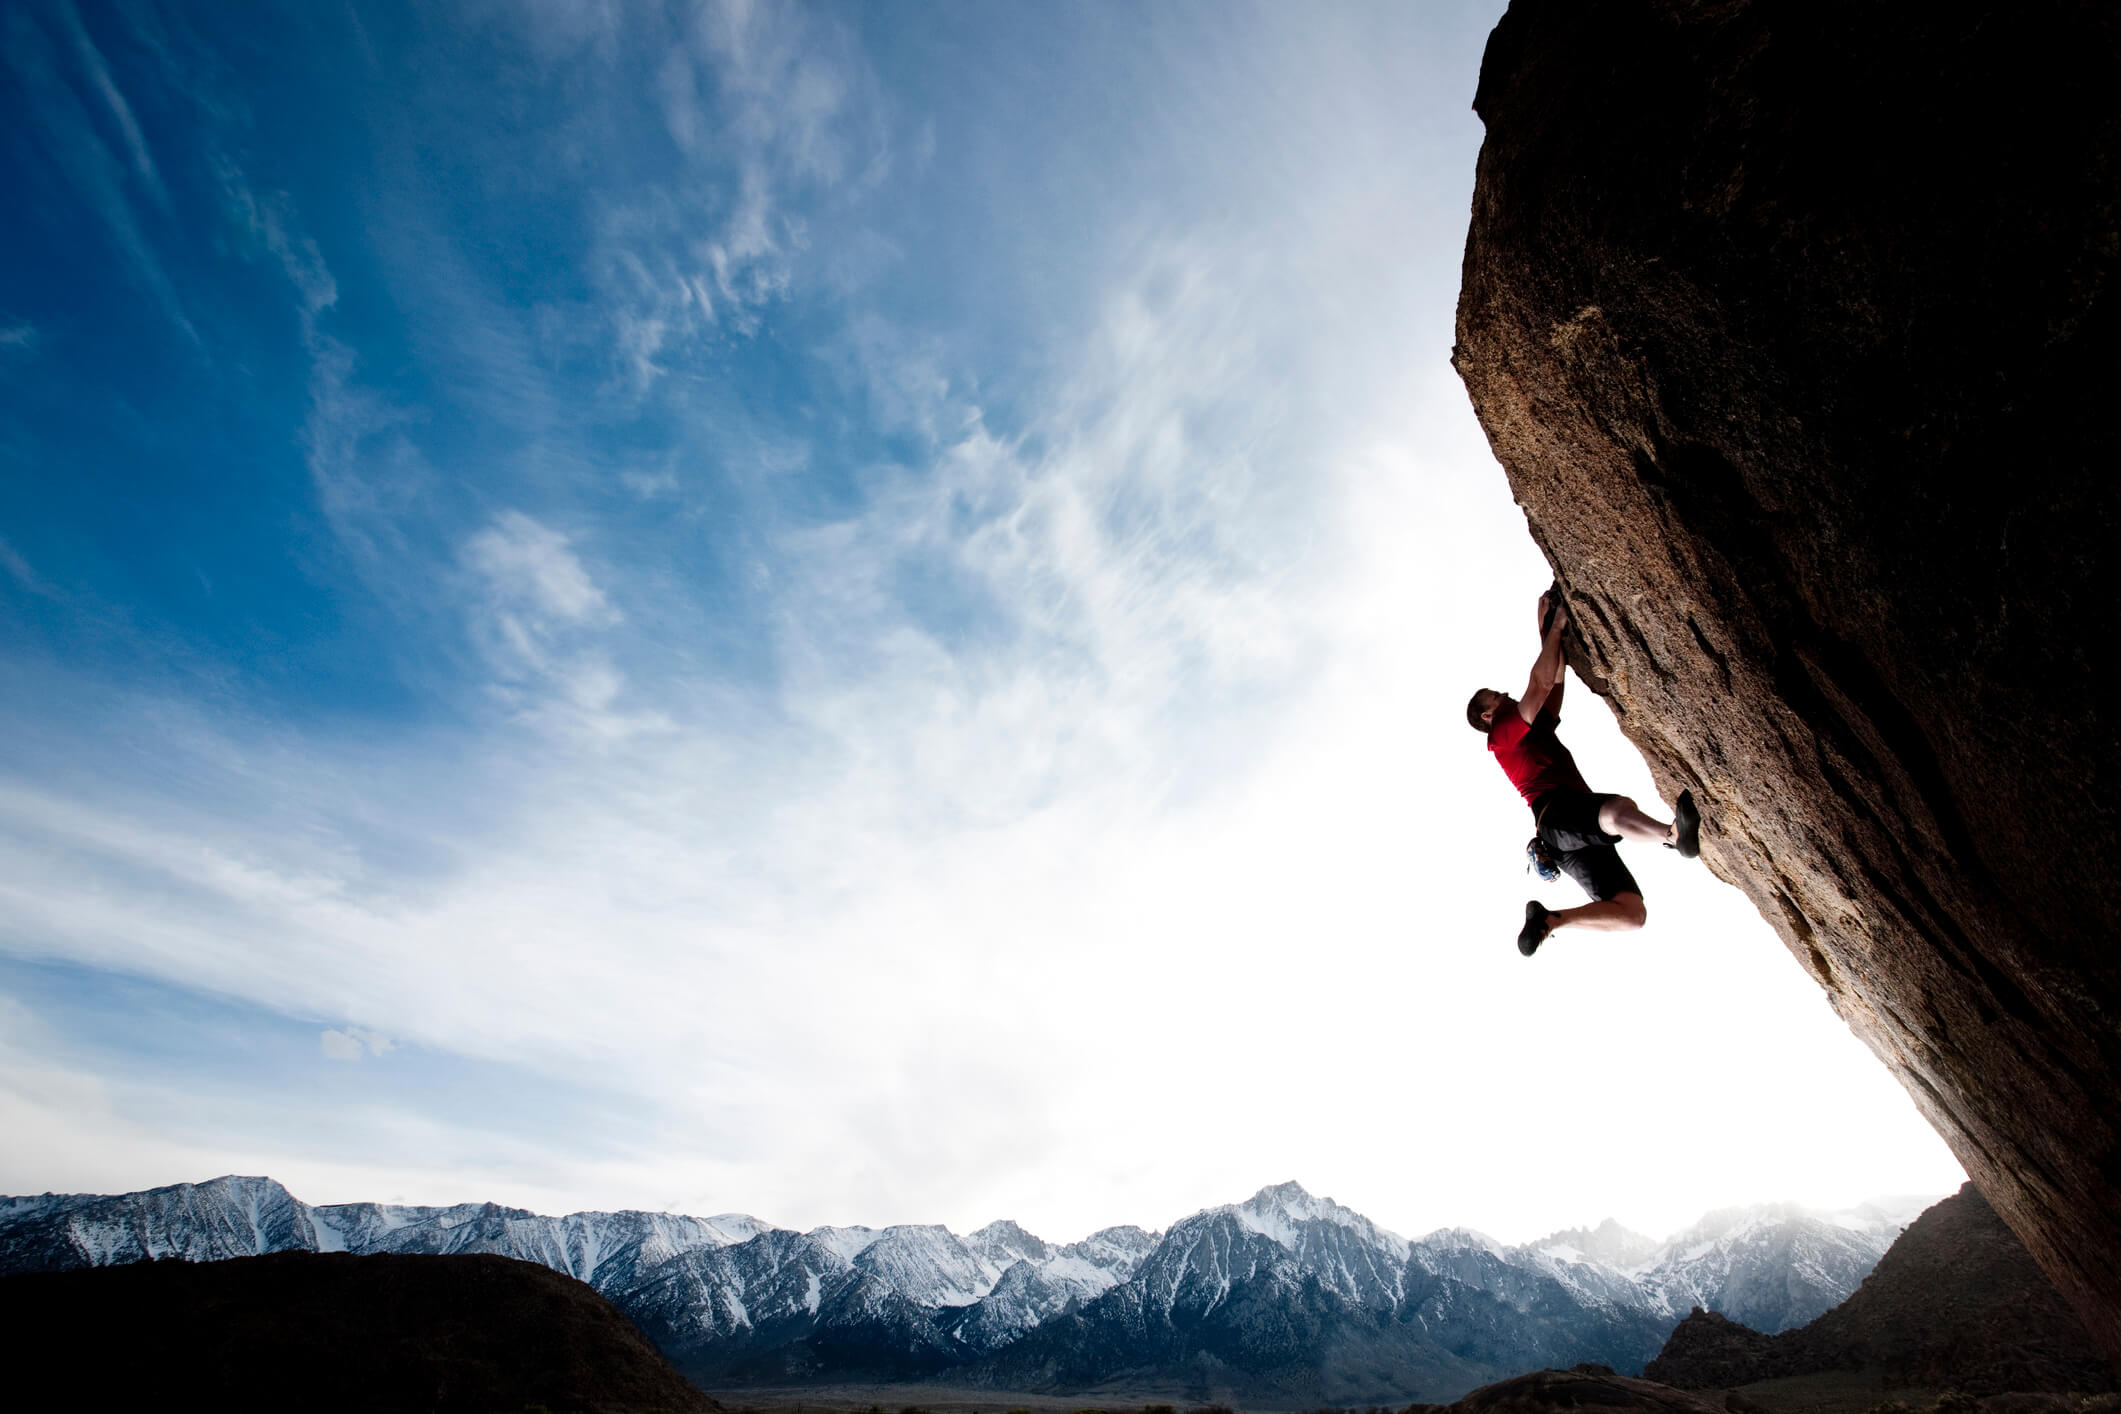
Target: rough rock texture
(1795, 327)
(303, 1330)
(1956, 1304)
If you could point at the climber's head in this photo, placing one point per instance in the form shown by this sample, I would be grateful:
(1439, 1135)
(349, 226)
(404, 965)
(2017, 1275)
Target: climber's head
(1481, 710)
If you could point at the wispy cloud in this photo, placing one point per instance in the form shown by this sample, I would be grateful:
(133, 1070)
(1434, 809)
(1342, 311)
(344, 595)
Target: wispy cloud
(769, 104)
(369, 476)
(352, 1044)
(532, 575)
(78, 151)
(24, 574)
(270, 221)
(650, 485)
(121, 112)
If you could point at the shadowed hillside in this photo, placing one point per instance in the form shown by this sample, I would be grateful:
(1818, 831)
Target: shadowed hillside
(301, 1330)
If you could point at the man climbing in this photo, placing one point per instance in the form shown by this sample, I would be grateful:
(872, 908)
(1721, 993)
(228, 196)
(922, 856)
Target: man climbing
(1577, 827)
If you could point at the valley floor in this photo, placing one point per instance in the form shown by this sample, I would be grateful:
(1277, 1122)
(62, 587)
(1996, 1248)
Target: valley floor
(1835, 1392)
(939, 1399)
(1829, 1392)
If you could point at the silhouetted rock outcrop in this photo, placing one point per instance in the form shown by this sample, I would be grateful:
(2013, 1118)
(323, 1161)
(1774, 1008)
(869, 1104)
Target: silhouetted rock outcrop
(1956, 1304)
(1581, 1391)
(1709, 1350)
(301, 1330)
(1794, 327)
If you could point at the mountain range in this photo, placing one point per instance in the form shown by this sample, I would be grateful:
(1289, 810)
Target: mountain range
(1285, 1294)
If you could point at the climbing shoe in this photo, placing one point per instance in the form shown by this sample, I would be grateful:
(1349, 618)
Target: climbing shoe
(1534, 931)
(1687, 818)
(1540, 859)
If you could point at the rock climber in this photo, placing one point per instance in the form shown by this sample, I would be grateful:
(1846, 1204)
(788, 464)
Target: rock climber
(1577, 827)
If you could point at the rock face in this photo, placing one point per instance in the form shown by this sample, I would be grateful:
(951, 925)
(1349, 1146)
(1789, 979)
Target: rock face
(1956, 1304)
(1794, 327)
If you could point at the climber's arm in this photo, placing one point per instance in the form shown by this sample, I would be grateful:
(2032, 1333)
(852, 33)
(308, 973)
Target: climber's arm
(1545, 680)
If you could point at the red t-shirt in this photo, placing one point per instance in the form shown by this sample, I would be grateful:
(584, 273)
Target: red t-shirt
(1532, 756)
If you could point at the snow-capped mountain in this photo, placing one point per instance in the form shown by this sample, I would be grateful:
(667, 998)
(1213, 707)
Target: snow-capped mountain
(1772, 1268)
(1292, 1297)
(1301, 1297)
(1284, 1292)
(202, 1222)
(1047, 1280)
(1780, 1264)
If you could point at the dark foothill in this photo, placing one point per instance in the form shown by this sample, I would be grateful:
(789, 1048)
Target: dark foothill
(329, 1331)
(1581, 1392)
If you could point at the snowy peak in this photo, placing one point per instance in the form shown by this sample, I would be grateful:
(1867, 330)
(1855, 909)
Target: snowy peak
(928, 1266)
(1461, 1239)
(1036, 1287)
(1892, 1212)
(1282, 1237)
(230, 1216)
(1279, 1211)
(1725, 1223)
(1004, 1244)
(1289, 1215)
(729, 1227)
(1112, 1249)
(847, 1242)
(1609, 1243)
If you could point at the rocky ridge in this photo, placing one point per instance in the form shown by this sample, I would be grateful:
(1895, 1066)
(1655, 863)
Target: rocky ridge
(1793, 329)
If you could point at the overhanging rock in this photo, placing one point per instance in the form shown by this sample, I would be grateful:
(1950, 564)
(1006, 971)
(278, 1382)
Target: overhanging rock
(1797, 329)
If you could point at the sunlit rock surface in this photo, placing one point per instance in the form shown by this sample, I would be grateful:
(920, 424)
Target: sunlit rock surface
(1795, 329)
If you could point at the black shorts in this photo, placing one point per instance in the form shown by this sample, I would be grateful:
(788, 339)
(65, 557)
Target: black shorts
(1568, 822)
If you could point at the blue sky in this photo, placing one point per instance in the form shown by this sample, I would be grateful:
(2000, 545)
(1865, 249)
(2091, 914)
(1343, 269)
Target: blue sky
(857, 613)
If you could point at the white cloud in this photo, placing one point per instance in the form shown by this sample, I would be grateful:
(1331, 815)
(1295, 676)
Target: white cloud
(539, 618)
(529, 568)
(650, 486)
(352, 1044)
(533, 593)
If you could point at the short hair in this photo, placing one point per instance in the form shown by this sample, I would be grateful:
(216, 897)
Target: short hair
(1473, 711)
